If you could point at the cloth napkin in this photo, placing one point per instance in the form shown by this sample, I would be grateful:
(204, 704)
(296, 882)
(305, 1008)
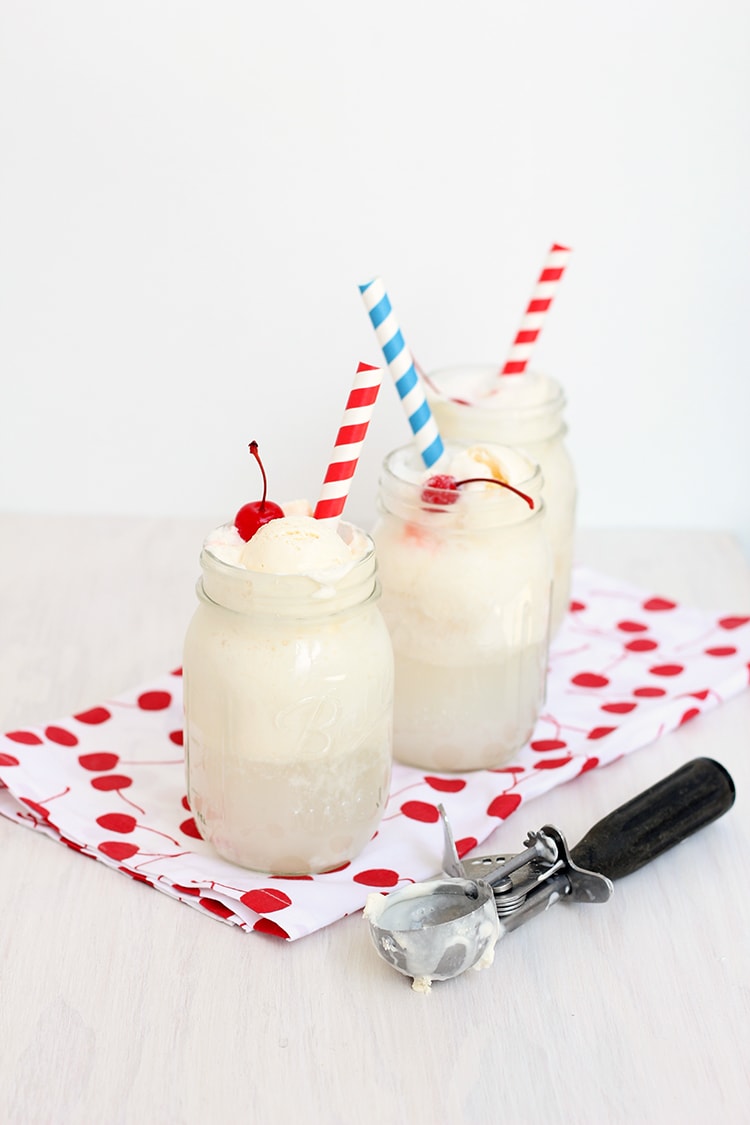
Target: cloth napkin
(626, 667)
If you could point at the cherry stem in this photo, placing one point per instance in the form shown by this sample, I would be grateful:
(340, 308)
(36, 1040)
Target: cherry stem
(502, 483)
(253, 447)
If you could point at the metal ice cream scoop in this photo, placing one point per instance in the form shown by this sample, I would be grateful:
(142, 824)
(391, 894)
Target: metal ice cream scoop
(438, 929)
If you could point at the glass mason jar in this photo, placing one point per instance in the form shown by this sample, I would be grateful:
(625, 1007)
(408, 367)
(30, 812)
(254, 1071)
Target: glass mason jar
(466, 596)
(288, 695)
(524, 411)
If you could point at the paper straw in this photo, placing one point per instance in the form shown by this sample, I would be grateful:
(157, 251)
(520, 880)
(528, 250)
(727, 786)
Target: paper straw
(536, 310)
(348, 444)
(401, 366)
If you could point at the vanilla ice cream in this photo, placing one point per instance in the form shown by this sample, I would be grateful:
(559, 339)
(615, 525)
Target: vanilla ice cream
(288, 684)
(296, 545)
(466, 595)
(473, 403)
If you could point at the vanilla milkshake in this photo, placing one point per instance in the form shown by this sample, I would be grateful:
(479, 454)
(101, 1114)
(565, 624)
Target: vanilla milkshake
(288, 687)
(475, 403)
(466, 571)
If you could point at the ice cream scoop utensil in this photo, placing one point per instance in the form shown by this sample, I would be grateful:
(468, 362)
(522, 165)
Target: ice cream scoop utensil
(423, 938)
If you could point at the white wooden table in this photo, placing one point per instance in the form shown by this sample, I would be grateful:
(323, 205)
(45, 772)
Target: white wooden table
(118, 1005)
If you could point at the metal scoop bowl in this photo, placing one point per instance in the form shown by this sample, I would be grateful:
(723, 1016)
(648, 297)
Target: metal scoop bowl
(435, 930)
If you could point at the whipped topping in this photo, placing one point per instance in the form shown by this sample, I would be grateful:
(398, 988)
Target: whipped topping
(295, 545)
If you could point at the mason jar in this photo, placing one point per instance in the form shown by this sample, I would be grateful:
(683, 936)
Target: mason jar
(466, 597)
(475, 403)
(288, 696)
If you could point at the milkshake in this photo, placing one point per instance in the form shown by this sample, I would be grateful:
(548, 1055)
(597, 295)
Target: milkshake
(475, 403)
(288, 687)
(466, 571)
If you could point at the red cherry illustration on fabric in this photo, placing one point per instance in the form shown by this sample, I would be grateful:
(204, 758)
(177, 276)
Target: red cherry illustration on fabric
(115, 783)
(94, 716)
(264, 900)
(215, 907)
(154, 700)
(446, 784)
(504, 805)
(253, 515)
(35, 807)
(61, 736)
(190, 828)
(420, 810)
(111, 781)
(268, 926)
(42, 810)
(543, 745)
(138, 876)
(464, 845)
(117, 822)
(125, 823)
(377, 877)
(117, 849)
(666, 670)
(589, 679)
(659, 605)
(98, 761)
(643, 644)
(690, 714)
(25, 736)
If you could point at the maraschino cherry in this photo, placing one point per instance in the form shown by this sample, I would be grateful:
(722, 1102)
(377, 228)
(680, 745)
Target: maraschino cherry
(443, 489)
(252, 516)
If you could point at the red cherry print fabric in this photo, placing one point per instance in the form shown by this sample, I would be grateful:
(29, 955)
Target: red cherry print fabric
(627, 667)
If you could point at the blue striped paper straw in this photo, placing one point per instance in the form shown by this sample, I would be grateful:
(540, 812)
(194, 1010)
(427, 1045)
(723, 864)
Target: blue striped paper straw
(401, 366)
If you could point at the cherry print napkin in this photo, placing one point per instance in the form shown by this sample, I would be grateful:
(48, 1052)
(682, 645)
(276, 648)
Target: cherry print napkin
(627, 667)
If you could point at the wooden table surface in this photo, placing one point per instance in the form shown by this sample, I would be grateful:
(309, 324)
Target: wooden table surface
(119, 1005)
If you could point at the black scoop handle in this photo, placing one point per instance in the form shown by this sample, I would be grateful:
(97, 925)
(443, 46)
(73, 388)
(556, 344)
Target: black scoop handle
(657, 819)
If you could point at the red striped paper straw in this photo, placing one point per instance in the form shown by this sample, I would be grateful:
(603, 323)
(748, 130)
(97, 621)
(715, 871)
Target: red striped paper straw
(537, 310)
(348, 444)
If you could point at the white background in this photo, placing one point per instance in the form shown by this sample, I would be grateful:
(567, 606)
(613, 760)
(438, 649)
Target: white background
(190, 193)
